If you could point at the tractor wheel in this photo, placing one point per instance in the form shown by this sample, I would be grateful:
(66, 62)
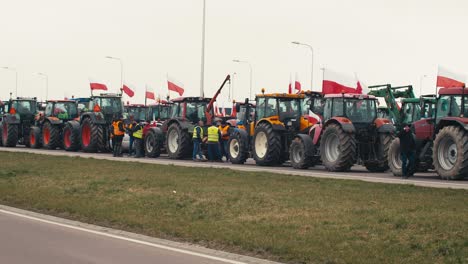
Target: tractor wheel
(299, 155)
(152, 145)
(35, 137)
(104, 144)
(71, 136)
(91, 136)
(238, 148)
(385, 140)
(338, 149)
(9, 135)
(51, 136)
(178, 142)
(394, 159)
(451, 153)
(267, 145)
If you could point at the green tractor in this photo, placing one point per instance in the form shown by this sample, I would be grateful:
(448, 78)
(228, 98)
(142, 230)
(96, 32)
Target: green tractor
(390, 94)
(17, 118)
(48, 126)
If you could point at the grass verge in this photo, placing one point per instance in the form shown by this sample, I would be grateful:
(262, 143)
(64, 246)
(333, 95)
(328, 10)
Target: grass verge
(286, 218)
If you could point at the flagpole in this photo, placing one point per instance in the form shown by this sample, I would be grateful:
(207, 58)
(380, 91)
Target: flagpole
(202, 77)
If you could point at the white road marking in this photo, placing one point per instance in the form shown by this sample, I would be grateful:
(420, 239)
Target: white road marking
(123, 238)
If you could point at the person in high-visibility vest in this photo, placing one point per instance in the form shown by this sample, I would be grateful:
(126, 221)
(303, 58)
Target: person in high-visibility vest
(129, 127)
(117, 132)
(138, 140)
(197, 139)
(224, 130)
(213, 143)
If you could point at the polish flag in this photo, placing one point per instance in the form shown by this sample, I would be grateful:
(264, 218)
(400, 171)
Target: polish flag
(290, 84)
(233, 112)
(127, 89)
(216, 110)
(96, 85)
(449, 79)
(336, 83)
(297, 84)
(224, 111)
(149, 94)
(175, 86)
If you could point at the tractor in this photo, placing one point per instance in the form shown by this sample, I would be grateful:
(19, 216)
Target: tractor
(138, 111)
(48, 126)
(176, 132)
(350, 133)
(390, 94)
(267, 135)
(419, 113)
(153, 140)
(93, 129)
(17, 118)
(450, 153)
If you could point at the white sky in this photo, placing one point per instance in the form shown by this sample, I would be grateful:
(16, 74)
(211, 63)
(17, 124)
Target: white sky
(394, 41)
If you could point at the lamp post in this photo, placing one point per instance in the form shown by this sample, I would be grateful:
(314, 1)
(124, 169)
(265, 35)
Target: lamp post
(312, 60)
(16, 78)
(47, 83)
(121, 68)
(250, 67)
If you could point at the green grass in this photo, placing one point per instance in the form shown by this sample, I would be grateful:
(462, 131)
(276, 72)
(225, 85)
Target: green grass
(285, 218)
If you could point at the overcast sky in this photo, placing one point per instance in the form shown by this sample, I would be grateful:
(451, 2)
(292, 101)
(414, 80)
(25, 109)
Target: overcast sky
(394, 41)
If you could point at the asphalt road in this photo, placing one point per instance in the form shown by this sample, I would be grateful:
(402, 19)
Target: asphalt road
(26, 239)
(429, 179)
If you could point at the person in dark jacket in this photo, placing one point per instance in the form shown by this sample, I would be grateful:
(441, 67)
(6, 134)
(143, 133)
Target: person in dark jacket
(137, 132)
(407, 151)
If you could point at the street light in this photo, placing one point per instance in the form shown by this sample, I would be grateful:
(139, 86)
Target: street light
(202, 71)
(312, 62)
(421, 83)
(47, 83)
(121, 68)
(250, 66)
(16, 78)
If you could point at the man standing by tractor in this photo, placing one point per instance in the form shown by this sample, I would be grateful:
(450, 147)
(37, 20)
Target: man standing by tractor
(224, 129)
(197, 139)
(137, 132)
(118, 132)
(213, 143)
(407, 151)
(131, 125)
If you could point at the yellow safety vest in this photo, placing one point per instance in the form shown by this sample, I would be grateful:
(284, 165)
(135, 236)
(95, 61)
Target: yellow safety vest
(195, 132)
(139, 133)
(213, 135)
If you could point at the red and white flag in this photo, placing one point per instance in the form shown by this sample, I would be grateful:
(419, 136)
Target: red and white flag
(97, 85)
(449, 79)
(128, 89)
(336, 83)
(297, 84)
(223, 113)
(290, 87)
(148, 93)
(175, 86)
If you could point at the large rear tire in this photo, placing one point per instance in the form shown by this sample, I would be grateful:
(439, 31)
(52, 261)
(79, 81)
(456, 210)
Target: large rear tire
(152, 144)
(300, 156)
(267, 145)
(451, 153)
(337, 149)
(394, 158)
(238, 147)
(71, 136)
(51, 136)
(91, 136)
(178, 142)
(382, 164)
(9, 135)
(35, 138)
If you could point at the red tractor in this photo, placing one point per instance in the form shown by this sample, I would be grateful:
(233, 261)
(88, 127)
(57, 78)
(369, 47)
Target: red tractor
(351, 133)
(153, 137)
(48, 128)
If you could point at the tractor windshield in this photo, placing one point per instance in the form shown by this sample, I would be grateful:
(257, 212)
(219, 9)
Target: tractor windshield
(357, 110)
(24, 107)
(195, 111)
(411, 112)
(289, 108)
(160, 112)
(109, 105)
(138, 113)
(452, 105)
(65, 110)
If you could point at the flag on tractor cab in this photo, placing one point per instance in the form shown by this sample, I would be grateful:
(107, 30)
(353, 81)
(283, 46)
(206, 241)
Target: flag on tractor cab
(175, 86)
(297, 84)
(336, 83)
(148, 93)
(128, 89)
(290, 87)
(97, 85)
(449, 79)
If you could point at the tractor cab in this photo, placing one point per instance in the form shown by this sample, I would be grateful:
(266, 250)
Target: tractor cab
(190, 109)
(61, 109)
(360, 109)
(138, 111)
(159, 112)
(452, 104)
(24, 108)
(107, 104)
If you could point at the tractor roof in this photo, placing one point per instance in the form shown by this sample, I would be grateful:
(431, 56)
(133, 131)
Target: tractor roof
(25, 99)
(161, 104)
(350, 95)
(61, 101)
(135, 106)
(453, 91)
(312, 93)
(282, 95)
(191, 99)
(107, 95)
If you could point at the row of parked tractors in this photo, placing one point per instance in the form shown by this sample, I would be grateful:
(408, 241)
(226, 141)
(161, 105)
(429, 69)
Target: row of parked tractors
(307, 129)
